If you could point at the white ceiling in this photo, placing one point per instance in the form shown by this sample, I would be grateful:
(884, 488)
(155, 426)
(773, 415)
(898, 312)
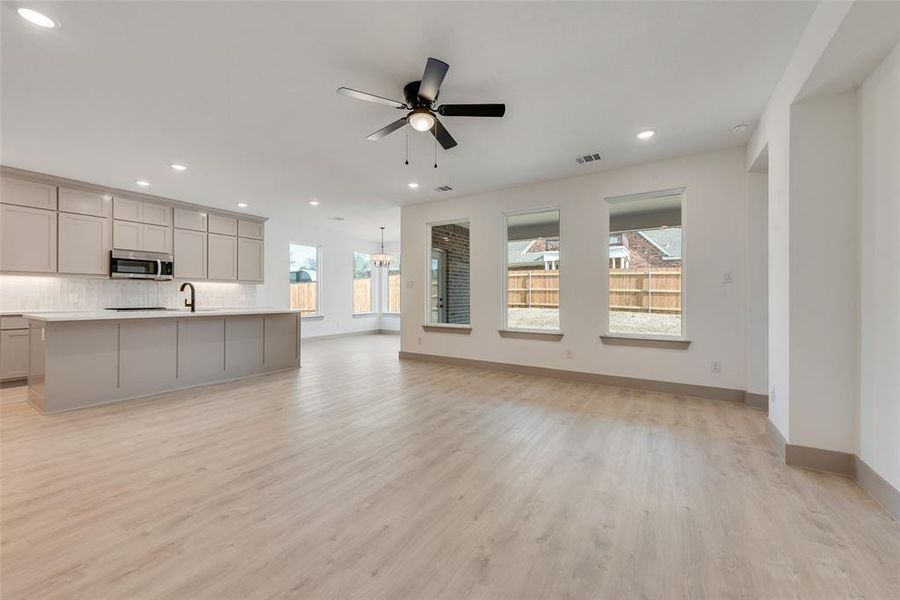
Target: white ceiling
(244, 94)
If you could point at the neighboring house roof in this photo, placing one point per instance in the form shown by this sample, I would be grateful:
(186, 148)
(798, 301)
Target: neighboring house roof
(668, 241)
(518, 255)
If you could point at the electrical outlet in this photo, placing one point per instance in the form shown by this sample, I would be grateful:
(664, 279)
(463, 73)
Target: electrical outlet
(73, 298)
(570, 353)
(410, 285)
(727, 277)
(419, 340)
(715, 366)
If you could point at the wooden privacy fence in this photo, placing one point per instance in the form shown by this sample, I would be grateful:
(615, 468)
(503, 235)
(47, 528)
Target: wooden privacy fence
(362, 296)
(303, 296)
(637, 290)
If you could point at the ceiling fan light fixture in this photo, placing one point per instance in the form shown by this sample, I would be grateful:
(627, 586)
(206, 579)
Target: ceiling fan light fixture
(421, 120)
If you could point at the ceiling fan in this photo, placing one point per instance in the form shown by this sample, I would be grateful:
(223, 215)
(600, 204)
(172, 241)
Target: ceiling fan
(421, 98)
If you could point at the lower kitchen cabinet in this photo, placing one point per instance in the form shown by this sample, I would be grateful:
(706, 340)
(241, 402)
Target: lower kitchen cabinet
(83, 244)
(13, 354)
(223, 257)
(250, 260)
(190, 254)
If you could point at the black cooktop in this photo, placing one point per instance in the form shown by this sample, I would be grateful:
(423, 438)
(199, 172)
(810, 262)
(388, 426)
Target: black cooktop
(136, 308)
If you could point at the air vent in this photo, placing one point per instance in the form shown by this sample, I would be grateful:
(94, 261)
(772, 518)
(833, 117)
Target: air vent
(337, 218)
(587, 158)
(443, 188)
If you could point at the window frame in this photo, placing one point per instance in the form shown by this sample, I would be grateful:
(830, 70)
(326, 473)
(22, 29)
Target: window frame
(504, 257)
(606, 334)
(373, 295)
(426, 322)
(320, 313)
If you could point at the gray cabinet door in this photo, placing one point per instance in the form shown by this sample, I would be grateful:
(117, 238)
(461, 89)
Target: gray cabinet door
(156, 214)
(27, 193)
(83, 244)
(190, 219)
(126, 209)
(250, 260)
(222, 252)
(127, 235)
(190, 254)
(250, 229)
(156, 238)
(84, 203)
(222, 225)
(13, 354)
(27, 239)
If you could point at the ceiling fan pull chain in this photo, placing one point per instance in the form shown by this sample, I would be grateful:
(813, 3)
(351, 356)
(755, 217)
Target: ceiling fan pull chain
(435, 147)
(407, 144)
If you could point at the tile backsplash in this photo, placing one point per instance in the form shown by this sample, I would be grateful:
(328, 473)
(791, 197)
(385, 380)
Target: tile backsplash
(31, 293)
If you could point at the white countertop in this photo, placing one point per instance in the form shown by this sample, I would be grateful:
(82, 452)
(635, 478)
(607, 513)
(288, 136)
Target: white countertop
(112, 315)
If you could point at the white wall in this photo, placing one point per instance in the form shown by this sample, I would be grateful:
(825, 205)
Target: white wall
(715, 216)
(758, 282)
(773, 133)
(823, 265)
(879, 410)
(336, 275)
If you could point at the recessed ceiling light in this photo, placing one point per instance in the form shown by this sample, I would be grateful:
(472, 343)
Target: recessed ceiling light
(646, 135)
(178, 167)
(740, 128)
(36, 18)
(412, 184)
(313, 202)
(242, 204)
(142, 183)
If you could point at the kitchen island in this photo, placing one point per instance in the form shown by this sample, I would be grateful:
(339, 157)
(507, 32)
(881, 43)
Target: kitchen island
(80, 359)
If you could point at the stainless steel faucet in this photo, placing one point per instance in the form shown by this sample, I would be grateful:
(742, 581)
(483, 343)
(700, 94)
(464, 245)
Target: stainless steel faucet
(193, 302)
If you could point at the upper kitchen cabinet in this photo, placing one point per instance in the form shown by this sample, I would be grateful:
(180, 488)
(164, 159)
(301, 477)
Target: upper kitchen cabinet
(84, 203)
(190, 253)
(250, 229)
(83, 244)
(222, 253)
(157, 214)
(27, 239)
(250, 260)
(141, 236)
(128, 209)
(27, 193)
(194, 220)
(222, 225)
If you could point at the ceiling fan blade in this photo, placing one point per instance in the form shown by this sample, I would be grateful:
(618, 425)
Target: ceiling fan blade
(435, 70)
(443, 136)
(388, 129)
(472, 110)
(370, 97)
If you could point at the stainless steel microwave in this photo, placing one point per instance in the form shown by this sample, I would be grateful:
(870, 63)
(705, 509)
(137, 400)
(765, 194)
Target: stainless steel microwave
(124, 264)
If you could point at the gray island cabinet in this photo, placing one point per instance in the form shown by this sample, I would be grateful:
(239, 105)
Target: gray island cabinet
(81, 359)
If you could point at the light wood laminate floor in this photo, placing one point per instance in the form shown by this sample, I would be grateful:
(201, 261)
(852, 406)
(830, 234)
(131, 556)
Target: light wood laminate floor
(366, 477)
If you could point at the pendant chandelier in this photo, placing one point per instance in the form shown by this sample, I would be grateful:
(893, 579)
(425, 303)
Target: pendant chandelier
(381, 259)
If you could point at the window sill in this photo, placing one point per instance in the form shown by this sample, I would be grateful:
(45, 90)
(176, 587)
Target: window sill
(531, 334)
(312, 317)
(448, 328)
(364, 315)
(390, 314)
(646, 341)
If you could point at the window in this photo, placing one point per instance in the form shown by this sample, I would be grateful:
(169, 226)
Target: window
(392, 287)
(532, 271)
(363, 290)
(646, 264)
(306, 291)
(448, 264)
